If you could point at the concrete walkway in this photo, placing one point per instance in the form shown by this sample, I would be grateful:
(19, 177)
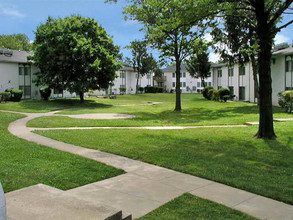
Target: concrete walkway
(144, 187)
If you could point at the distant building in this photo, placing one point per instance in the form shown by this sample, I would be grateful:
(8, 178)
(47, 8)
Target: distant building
(127, 78)
(16, 72)
(239, 79)
(188, 84)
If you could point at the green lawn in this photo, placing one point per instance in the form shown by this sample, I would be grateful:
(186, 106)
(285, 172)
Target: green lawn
(196, 111)
(227, 155)
(24, 163)
(189, 207)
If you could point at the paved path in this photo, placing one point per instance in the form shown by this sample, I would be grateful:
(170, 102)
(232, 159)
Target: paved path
(146, 187)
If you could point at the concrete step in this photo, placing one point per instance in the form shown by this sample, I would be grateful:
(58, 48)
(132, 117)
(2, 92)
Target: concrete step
(47, 203)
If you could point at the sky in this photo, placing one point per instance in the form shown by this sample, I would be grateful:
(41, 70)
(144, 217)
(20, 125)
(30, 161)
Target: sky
(24, 16)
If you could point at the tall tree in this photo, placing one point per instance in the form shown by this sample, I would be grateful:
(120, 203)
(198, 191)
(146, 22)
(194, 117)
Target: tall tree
(141, 60)
(165, 32)
(198, 65)
(15, 42)
(266, 14)
(75, 54)
(238, 34)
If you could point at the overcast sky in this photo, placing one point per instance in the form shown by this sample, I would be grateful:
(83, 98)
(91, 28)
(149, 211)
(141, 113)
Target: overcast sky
(23, 16)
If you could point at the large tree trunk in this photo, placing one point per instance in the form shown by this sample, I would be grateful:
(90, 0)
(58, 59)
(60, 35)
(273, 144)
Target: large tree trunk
(265, 36)
(81, 96)
(178, 90)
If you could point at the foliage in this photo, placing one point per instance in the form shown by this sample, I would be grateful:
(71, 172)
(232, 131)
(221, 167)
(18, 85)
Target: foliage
(15, 42)
(15, 94)
(122, 90)
(165, 31)
(224, 94)
(198, 65)
(141, 60)
(215, 94)
(205, 92)
(45, 93)
(141, 89)
(286, 100)
(4, 96)
(153, 89)
(75, 54)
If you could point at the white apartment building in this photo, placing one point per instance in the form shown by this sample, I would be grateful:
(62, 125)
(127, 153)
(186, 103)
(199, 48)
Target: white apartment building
(239, 79)
(16, 72)
(127, 78)
(188, 84)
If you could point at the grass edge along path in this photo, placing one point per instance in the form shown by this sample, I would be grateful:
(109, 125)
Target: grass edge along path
(189, 207)
(25, 163)
(227, 155)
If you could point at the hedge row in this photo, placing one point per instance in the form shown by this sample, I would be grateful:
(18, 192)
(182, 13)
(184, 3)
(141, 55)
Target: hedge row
(153, 89)
(11, 95)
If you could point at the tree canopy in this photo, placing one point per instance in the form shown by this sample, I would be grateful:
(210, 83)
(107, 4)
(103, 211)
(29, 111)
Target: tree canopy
(75, 54)
(198, 65)
(15, 42)
(165, 32)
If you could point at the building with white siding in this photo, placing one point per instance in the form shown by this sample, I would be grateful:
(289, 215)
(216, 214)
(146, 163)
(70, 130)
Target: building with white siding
(16, 72)
(188, 84)
(239, 79)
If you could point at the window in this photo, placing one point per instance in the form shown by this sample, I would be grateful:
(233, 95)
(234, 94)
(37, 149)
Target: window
(209, 74)
(122, 74)
(26, 91)
(230, 72)
(148, 76)
(173, 84)
(210, 83)
(219, 87)
(289, 88)
(198, 84)
(173, 74)
(220, 73)
(289, 65)
(184, 84)
(242, 71)
(180, 84)
(194, 88)
(184, 75)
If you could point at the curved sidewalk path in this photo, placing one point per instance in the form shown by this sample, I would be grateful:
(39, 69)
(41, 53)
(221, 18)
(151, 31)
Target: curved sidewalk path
(146, 187)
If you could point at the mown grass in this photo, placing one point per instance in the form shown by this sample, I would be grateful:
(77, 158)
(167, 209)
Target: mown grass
(227, 155)
(23, 163)
(196, 111)
(189, 207)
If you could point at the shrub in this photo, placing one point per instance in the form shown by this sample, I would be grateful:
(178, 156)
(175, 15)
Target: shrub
(224, 94)
(205, 92)
(141, 89)
(4, 96)
(15, 94)
(214, 94)
(152, 89)
(122, 90)
(45, 93)
(286, 100)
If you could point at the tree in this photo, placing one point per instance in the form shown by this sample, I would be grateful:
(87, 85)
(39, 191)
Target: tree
(266, 14)
(165, 32)
(141, 60)
(239, 37)
(198, 65)
(15, 42)
(74, 54)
